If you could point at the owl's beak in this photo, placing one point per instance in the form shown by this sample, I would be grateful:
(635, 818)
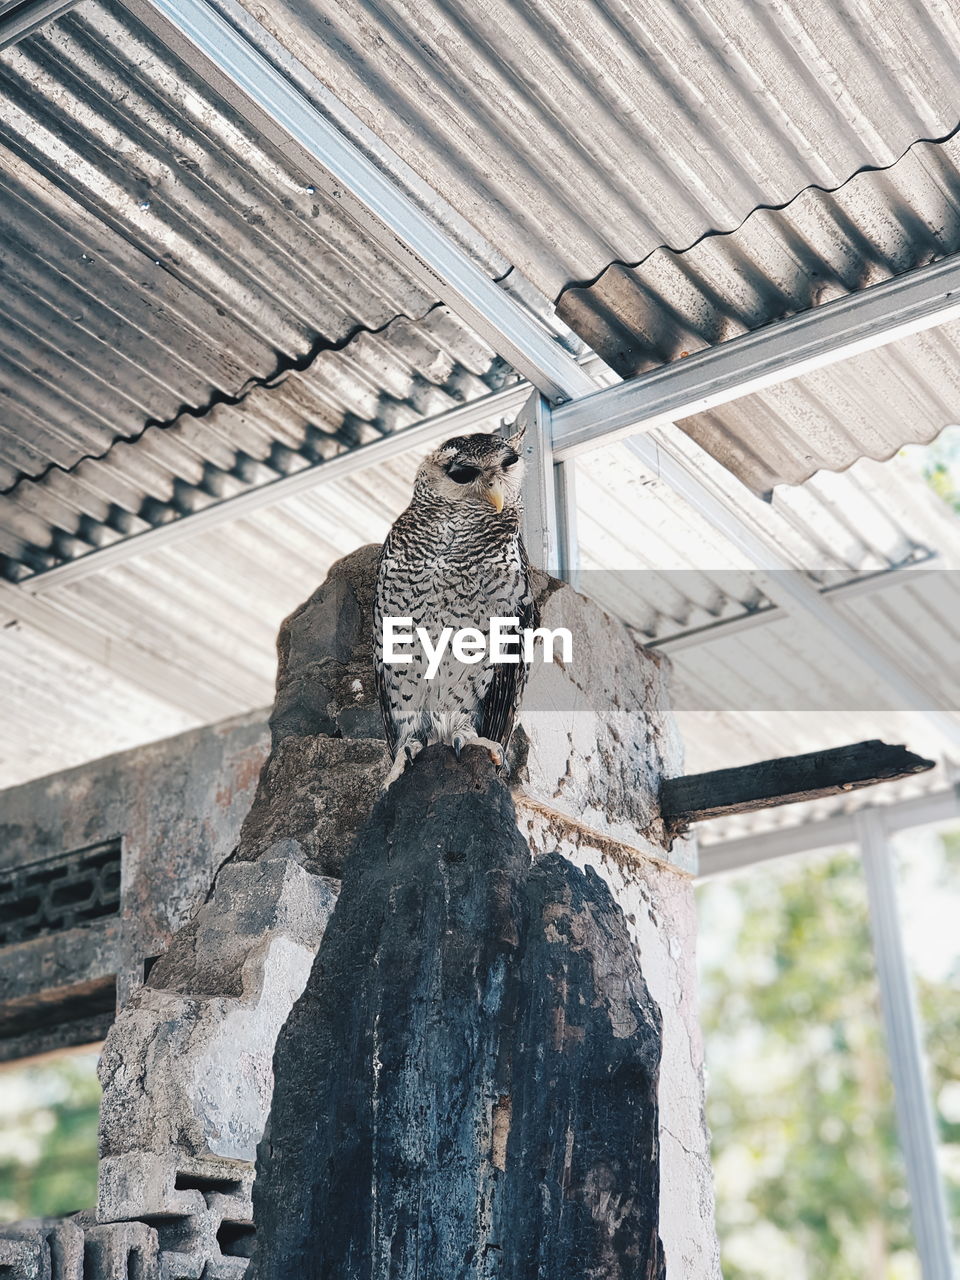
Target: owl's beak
(494, 493)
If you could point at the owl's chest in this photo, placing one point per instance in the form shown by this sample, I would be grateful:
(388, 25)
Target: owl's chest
(444, 597)
(453, 575)
(456, 573)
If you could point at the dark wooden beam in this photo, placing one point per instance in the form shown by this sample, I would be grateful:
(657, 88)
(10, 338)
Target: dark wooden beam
(786, 780)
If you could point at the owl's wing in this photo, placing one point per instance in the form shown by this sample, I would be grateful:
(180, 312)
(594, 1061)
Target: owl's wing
(384, 692)
(502, 699)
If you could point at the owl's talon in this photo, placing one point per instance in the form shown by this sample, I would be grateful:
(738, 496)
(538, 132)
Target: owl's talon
(493, 749)
(404, 756)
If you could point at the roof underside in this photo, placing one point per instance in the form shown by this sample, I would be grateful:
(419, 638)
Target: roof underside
(188, 318)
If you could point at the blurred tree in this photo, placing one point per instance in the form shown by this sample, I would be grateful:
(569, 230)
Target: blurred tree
(48, 1137)
(939, 464)
(810, 1180)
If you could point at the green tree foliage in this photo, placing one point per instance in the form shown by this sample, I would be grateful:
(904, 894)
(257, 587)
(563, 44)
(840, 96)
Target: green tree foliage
(810, 1181)
(939, 464)
(48, 1138)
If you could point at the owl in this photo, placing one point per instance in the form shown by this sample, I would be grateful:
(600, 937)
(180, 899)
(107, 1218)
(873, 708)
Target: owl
(455, 558)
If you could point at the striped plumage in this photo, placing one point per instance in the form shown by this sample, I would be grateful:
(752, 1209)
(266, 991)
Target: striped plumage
(454, 559)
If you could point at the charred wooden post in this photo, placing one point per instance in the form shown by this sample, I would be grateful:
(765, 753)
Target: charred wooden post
(468, 1085)
(785, 780)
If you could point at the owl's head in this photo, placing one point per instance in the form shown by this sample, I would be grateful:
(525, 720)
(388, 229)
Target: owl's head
(480, 469)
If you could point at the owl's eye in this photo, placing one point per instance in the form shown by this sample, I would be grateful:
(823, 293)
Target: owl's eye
(510, 459)
(463, 475)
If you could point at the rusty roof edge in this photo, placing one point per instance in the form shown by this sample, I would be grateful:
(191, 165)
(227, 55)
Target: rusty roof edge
(503, 391)
(723, 233)
(285, 364)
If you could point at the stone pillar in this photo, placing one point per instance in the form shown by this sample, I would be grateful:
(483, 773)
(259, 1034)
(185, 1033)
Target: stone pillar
(187, 1070)
(467, 1087)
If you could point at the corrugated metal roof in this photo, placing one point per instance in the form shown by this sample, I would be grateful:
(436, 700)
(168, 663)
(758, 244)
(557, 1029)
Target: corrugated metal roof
(664, 568)
(573, 136)
(60, 710)
(870, 405)
(156, 254)
(160, 257)
(781, 686)
(376, 384)
(211, 605)
(787, 666)
(778, 263)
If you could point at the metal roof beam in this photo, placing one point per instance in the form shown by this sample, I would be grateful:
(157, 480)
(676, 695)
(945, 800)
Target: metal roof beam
(722, 856)
(267, 91)
(839, 594)
(424, 435)
(905, 1051)
(19, 20)
(370, 196)
(831, 332)
(785, 584)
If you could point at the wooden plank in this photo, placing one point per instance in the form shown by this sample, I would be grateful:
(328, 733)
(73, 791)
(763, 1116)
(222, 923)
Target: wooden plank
(699, 797)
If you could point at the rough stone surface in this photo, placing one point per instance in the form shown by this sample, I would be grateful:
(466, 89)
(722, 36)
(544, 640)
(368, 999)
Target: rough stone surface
(503, 1054)
(48, 1248)
(125, 1251)
(593, 741)
(315, 794)
(24, 1255)
(599, 728)
(324, 672)
(658, 904)
(186, 1070)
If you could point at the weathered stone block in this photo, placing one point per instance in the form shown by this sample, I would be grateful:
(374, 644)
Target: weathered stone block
(122, 1251)
(185, 796)
(53, 1243)
(598, 728)
(658, 905)
(594, 737)
(24, 1255)
(324, 674)
(186, 1069)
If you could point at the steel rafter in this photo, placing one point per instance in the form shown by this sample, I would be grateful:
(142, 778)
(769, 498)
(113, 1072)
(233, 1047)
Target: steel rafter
(905, 1050)
(722, 857)
(831, 332)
